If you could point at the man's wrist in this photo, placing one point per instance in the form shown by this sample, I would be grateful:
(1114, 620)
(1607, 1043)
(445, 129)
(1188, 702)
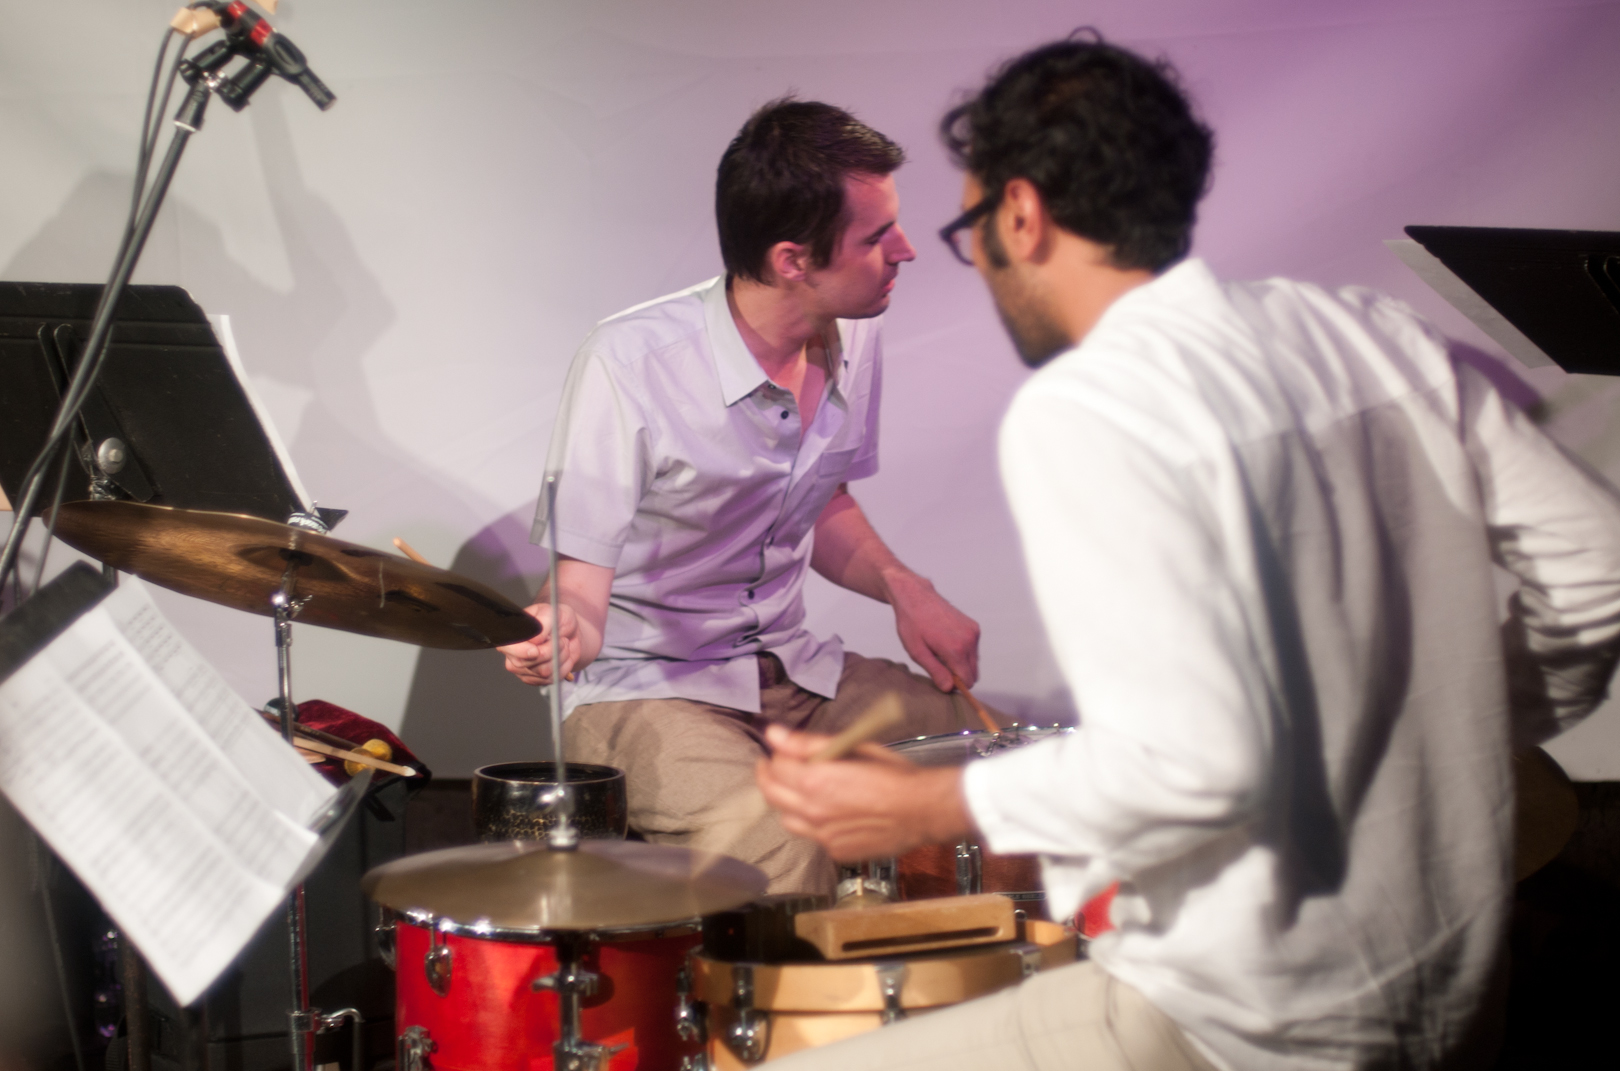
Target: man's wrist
(900, 583)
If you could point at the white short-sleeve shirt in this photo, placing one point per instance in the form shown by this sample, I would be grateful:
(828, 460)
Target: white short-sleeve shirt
(683, 468)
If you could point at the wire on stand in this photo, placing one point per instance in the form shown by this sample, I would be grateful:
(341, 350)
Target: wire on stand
(89, 362)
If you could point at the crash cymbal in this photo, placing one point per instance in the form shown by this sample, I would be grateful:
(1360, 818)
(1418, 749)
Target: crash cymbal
(602, 884)
(240, 561)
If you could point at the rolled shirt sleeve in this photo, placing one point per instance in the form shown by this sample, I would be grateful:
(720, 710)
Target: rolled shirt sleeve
(1555, 525)
(601, 455)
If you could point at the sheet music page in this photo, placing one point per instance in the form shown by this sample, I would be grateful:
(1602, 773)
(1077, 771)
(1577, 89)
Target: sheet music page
(127, 785)
(263, 759)
(227, 342)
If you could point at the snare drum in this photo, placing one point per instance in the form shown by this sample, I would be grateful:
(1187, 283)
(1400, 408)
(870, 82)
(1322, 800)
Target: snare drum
(467, 1000)
(752, 1012)
(967, 868)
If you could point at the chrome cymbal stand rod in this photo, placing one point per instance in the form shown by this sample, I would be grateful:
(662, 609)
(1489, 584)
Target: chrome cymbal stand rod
(302, 1020)
(573, 982)
(563, 836)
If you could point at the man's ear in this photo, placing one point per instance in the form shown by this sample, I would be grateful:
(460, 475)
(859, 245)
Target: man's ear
(788, 261)
(1022, 222)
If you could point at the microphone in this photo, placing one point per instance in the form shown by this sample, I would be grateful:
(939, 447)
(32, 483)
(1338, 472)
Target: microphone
(269, 52)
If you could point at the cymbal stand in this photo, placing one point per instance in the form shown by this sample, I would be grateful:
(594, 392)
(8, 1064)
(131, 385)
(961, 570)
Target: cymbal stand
(572, 983)
(563, 835)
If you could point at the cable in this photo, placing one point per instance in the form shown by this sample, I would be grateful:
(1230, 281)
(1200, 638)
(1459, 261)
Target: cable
(89, 364)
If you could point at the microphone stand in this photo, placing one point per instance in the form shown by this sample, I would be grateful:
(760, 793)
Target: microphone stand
(206, 78)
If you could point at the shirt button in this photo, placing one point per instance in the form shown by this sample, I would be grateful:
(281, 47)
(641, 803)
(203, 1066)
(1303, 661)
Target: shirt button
(784, 414)
(750, 593)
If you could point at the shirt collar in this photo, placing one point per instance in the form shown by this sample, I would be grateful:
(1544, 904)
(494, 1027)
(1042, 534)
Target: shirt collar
(740, 374)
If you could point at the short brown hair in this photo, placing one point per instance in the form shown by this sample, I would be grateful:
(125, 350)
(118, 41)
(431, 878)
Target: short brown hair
(782, 180)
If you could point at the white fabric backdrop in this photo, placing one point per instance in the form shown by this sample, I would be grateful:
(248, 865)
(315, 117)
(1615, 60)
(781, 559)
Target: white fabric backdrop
(409, 273)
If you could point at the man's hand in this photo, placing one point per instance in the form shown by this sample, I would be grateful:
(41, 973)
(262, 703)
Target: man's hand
(858, 810)
(938, 637)
(530, 660)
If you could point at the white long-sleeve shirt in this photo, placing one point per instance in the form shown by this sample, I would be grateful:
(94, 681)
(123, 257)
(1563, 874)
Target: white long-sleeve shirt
(1260, 521)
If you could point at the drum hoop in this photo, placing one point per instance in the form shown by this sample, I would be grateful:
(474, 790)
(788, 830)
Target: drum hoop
(971, 735)
(933, 978)
(503, 935)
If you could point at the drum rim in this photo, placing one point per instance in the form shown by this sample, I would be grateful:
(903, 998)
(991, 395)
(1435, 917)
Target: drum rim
(505, 935)
(487, 773)
(1054, 944)
(977, 734)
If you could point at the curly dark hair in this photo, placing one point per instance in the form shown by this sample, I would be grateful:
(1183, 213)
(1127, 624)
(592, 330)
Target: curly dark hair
(1108, 138)
(782, 180)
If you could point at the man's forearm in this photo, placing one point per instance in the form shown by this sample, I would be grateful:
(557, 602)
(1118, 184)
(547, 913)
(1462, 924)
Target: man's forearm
(849, 552)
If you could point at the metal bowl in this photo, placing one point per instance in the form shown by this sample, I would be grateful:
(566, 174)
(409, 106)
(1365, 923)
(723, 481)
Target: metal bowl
(506, 800)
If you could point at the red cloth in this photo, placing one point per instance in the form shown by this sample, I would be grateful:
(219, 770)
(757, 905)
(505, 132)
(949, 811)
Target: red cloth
(1094, 920)
(347, 725)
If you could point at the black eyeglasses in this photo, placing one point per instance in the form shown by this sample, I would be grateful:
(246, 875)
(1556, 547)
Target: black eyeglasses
(955, 233)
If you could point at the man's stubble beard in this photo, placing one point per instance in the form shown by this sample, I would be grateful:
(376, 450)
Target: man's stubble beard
(1035, 335)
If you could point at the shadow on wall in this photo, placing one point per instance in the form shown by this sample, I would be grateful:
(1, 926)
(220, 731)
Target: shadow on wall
(464, 710)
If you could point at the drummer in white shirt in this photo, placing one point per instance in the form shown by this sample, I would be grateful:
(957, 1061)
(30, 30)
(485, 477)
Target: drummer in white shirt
(703, 452)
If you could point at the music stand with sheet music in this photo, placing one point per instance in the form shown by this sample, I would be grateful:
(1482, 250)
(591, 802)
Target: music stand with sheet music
(1546, 296)
(172, 419)
(28, 631)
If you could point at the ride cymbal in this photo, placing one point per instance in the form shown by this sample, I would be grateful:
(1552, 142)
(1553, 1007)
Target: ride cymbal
(241, 561)
(600, 885)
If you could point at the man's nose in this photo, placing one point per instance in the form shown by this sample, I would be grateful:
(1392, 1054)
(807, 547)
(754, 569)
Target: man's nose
(900, 247)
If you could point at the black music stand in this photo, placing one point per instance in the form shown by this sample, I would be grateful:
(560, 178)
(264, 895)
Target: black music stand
(1540, 293)
(168, 421)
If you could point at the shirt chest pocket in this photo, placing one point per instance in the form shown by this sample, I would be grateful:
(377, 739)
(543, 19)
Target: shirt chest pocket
(810, 497)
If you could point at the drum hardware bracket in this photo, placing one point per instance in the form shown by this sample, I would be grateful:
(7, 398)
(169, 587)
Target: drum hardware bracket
(749, 1034)
(328, 1022)
(1029, 959)
(969, 869)
(572, 982)
(412, 1048)
(383, 931)
(891, 978)
(689, 1022)
(437, 962)
(696, 1062)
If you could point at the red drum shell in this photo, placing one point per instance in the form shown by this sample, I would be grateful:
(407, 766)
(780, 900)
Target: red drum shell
(492, 1019)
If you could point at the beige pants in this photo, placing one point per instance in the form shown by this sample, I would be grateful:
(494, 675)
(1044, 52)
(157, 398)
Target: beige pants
(689, 767)
(1075, 1018)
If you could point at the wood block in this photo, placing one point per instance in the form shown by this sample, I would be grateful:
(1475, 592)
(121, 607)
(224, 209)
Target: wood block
(915, 926)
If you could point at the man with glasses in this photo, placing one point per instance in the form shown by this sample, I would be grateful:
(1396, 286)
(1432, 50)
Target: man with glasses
(703, 451)
(1262, 519)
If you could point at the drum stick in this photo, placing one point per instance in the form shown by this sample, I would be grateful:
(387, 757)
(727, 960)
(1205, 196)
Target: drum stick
(886, 712)
(359, 757)
(409, 551)
(978, 708)
(744, 811)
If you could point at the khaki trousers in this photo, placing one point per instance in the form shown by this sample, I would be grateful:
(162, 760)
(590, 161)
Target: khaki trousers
(689, 767)
(1075, 1018)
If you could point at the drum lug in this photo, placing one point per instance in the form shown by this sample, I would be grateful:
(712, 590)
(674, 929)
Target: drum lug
(969, 869)
(437, 961)
(749, 1034)
(891, 978)
(696, 1062)
(384, 933)
(689, 1024)
(1029, 959)
(412, 1048)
